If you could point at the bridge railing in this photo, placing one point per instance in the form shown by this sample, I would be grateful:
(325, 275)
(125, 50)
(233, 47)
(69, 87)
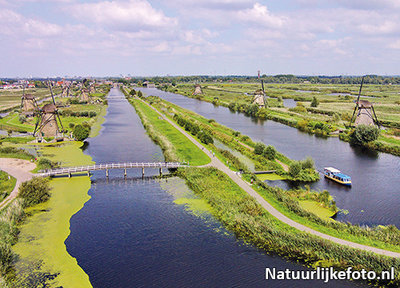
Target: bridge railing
(69, 170)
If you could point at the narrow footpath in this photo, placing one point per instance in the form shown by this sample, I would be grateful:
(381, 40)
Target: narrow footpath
(19, 169)
(215, 162)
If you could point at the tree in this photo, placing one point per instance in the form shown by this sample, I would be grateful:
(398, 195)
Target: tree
(22, 119)
(259, 148)
(140, 94)
(34, 191)
(308, 163)
(314, 102)
(364, 134)
(133, 92)
(81, 132)
(294, 169)
(270, 152)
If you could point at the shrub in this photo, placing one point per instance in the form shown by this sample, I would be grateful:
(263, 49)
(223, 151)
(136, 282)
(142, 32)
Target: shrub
(294, 169)
(205, 138)
(80, 132)
(270, 152)
(259, 148)
(92, 114)
(34, 191)
(232, 106)
(308, 163)
(363, 134)
(45, 163)
(71, 125)
(22, 118)
(314, 102)
(140, 94)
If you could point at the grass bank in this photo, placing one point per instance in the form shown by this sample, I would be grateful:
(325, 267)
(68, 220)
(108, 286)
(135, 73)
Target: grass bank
(241, 214)
(7, 184)
(175, 145)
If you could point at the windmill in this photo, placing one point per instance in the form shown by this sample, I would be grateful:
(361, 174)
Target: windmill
(65, 89)
(92, 88)
(48, 122)
(259, 96)
(28, 103)
(84, 92)
(364, 112)
(197, 90)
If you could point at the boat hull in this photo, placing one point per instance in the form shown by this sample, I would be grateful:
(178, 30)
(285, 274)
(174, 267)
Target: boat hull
(338, 181)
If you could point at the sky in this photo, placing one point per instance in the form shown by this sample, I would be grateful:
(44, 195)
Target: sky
(42, 38)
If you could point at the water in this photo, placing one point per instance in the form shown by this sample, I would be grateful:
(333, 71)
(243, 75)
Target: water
(131, 234)
(289, 103)
(374, 197)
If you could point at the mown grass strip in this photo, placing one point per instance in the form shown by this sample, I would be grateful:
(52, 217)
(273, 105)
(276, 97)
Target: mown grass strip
(175, 145)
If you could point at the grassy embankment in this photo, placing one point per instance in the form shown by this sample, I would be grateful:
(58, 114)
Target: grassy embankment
(6, 184)
(241, 214)
(236, 142)
(175, 145)
(309, 209)
(333, 112)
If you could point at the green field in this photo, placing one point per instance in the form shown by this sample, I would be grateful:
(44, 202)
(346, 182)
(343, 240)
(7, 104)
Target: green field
(180, 148)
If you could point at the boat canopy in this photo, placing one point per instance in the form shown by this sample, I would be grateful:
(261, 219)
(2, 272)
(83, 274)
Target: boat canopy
(332, 170)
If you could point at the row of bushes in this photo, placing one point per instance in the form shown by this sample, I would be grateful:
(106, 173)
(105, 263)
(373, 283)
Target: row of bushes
(315, 127)
(89, 114)
(194, 129)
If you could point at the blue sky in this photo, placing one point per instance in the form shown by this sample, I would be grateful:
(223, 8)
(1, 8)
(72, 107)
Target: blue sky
(192, 37)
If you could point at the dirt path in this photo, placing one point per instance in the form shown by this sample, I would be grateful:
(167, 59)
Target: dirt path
(19, 169)
(215, 162)
(284, 166)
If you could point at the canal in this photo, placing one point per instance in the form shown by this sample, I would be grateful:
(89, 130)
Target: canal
(374, 197)
(131, 233)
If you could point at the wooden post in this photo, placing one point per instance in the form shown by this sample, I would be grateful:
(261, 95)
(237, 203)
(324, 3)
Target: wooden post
(160, 171)
(143, 172)
(125, 173)
(69, 175)
(107, 173)
(88, 173)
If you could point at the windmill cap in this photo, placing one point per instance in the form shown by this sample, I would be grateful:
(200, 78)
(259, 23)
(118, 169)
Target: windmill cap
(364, 104)
(49, 108)
(28, 96)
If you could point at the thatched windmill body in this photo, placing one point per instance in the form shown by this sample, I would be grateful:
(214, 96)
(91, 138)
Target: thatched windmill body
(197, 90)
(260, 97)
(364, 112)
(48, 123)
(28, 103)
(84, 95)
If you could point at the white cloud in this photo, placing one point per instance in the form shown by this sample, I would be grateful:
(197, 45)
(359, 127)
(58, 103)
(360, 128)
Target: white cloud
(260, 15)
(132, 15)
(395, 45)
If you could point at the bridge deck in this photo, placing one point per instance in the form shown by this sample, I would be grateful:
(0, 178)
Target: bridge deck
(70, 170)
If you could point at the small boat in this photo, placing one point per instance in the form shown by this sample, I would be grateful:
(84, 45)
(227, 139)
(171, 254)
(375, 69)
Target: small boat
(337, 176)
